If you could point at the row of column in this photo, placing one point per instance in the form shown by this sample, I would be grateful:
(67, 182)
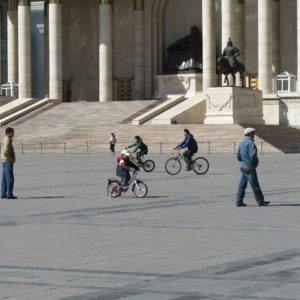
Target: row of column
(233, 20)
(19, 48)
(106, 50)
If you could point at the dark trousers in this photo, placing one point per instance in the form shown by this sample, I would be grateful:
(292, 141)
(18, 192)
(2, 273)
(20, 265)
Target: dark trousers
(112, 148)
(140, 154)
(8, 180)
(250, 177)
(125, 180)
(188, 154)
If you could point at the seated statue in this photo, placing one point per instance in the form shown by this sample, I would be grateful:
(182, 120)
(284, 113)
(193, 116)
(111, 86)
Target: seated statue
(186, 53)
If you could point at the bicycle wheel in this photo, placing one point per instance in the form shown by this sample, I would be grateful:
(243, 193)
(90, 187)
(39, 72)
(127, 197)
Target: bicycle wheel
(112, 189)
(140, 189)
(200, 165)
(149, 165)
(173, 166)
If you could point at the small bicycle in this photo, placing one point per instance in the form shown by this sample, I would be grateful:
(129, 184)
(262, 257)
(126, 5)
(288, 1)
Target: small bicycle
(148, 165)
(173, 165)
(115, 188)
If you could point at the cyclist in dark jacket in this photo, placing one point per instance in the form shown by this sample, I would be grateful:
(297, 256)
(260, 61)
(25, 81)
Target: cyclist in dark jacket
(123, 167)
(192, 148)
(139, 145)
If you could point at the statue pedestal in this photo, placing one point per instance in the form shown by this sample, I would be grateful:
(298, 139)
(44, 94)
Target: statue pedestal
(233, 105)
(167, 86)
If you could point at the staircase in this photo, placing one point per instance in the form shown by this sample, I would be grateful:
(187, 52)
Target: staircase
(82, 127)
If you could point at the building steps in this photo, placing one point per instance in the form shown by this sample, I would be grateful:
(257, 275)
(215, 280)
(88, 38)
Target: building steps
(157, 110)
(23, 110)
(72, 125)
(190, 111)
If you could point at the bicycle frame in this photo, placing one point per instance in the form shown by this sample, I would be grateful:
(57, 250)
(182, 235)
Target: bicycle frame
(180, 156)
(138, 162)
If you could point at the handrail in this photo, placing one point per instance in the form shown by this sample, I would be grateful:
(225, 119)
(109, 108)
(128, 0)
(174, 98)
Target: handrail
(156, 147)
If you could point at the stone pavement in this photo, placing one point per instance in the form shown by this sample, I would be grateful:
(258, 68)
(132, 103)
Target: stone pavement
(64, 239)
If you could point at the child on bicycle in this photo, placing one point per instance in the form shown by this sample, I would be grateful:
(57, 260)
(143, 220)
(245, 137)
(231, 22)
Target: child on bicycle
(139, 145)
(123, 168)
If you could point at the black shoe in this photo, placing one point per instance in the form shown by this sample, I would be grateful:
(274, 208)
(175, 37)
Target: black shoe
(188, 169)
(241, 204)
(3, 197)
(12, 197)
(264, 203)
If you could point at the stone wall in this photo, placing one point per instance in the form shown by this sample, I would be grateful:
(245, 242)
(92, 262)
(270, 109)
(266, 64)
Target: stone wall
(81, 48)
(123, 41)
(288, 31)
(180, 16)
(282, 110)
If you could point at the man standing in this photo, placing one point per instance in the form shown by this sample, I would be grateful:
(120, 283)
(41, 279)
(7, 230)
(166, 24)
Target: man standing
(8, 159)
(247, 155)
(192, 147)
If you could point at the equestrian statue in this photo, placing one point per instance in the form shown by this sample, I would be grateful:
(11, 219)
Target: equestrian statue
(229, 64)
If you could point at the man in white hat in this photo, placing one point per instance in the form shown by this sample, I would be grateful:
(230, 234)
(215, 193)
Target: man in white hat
(247, 155)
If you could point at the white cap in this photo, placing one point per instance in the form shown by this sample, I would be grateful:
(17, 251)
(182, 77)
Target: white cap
(125, 152)
(249, 130)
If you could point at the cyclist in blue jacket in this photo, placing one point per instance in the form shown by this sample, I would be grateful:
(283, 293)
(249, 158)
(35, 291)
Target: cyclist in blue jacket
(192, 148)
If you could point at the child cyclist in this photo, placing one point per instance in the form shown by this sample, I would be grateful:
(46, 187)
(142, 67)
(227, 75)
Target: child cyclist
(123, 167)
(139, 145)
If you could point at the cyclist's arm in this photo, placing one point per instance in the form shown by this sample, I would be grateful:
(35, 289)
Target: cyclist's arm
(185, 143)
(132, 145)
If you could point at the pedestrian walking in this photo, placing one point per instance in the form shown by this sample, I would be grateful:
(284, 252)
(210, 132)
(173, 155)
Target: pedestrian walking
(247, 155)
(112, 143)
(8, 158)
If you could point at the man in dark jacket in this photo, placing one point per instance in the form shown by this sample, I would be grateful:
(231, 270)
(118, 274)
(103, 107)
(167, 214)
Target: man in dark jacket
(192, 148)
(123, 167)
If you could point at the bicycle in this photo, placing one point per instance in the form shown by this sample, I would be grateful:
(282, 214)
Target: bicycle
(115, 188)
(173, 165)
(147, 165)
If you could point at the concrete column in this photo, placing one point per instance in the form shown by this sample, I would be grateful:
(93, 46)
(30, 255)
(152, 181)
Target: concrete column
(298, 45)
(276, 37)
(24, 43)
(209, 43)
(228, 26)
(105, 51)
(265, 46)
(228, 22)
(239, 40)
(55, 50)
(139, 50)
(12, 41)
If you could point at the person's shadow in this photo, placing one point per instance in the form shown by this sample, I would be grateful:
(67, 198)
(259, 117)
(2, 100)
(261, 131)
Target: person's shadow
(42, 197)
(285, 204)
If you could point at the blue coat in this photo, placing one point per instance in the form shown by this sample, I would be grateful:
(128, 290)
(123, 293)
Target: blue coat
(247, 154)
(190, 143)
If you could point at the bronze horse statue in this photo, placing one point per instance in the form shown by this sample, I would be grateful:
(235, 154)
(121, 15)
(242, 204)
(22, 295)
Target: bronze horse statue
(225, 68)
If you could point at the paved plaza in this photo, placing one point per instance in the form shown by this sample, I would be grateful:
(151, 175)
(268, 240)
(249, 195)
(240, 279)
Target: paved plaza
(64, 239)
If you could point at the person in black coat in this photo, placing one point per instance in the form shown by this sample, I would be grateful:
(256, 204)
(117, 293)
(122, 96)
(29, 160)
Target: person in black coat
(192, 148)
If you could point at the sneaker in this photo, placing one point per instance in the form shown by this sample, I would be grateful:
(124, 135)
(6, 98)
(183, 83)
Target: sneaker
(3, 197)
(12, 197)
(238, 204)
(264, 203)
